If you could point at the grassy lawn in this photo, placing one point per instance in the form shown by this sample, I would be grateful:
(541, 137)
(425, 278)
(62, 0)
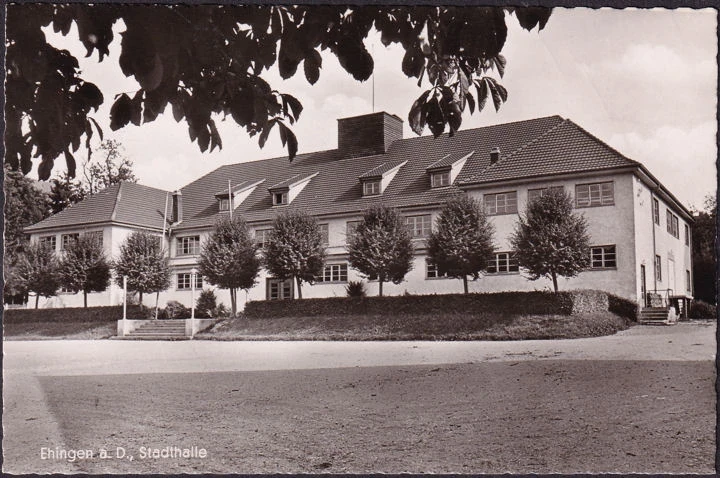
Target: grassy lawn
(59, 330)
(521, 417)
(419, 327)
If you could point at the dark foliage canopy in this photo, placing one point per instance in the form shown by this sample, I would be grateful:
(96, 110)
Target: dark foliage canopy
(549, 239)
(207, 61)
(704, 249)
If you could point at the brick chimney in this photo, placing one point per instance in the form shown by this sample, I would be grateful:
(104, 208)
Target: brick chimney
(368, 134)
(177, 208)
(494, 155)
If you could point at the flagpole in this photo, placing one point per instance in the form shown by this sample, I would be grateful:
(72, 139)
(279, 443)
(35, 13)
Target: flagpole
(230, 205)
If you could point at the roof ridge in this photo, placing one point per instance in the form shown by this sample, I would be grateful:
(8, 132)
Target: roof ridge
(524, 146)
(118, 195)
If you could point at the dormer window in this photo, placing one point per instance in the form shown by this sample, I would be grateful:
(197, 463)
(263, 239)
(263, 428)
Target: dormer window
(444, 171)
(371, 188)
(375, 181)
(440, 179)
(234, 195)
(285, 192)
(224, 204)
(280, 198)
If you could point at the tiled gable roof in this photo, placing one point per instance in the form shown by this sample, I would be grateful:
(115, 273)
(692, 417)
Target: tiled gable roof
(126, 203)
(565, 148)
(235, 188)
(336, 189)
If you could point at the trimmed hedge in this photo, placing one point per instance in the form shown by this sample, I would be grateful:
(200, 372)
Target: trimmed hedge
(512, 303)
(71, 314)
(623, 307)
(702, 310)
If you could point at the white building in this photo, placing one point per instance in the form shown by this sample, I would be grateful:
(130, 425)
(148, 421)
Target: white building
(640, 233)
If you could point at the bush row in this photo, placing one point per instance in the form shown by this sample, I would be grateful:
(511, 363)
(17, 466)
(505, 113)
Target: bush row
(513, 303)
(71, 314)
(623, 307)
(702, 310)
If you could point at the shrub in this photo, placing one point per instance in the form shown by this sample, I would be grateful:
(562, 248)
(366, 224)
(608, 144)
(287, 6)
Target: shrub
(221, 311)
(72, 314)
(622, 307)
(509, 303)
(206, 303)
(355, 289)
(175, 310)
(702, 310)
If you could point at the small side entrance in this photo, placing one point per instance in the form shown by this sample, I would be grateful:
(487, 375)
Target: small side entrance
(643, 287)
(280, 289)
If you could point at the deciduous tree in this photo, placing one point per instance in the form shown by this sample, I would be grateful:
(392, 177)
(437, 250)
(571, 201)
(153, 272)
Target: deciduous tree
(144, 262)
(704, 252)
(112, 168)
(294, 249)
(229, 258)
(462, 242)
(37, 271)
(381, 247)
(64, 192)
(84, 266)
(550, 240)
(208, 60)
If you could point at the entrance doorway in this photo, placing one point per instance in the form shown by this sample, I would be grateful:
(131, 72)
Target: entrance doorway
(643, 286)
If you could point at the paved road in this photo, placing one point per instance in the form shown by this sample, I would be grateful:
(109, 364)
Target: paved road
(29, 425)
(685, 341)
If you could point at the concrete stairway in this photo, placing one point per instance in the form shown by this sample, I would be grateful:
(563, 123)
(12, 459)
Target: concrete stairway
(159, 330)
(656, 316)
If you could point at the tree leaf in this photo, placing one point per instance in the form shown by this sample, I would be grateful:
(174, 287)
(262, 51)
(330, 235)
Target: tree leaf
(121, 112)
(70, 161)
(531, 16)
(91, 95)
(136, 109)
(266, 132)
(413, 62)
(417, 115)
(312, 65)
(499, 61)
(435, 117)
(295, 106)
(482, 92)
(286, 134)
(471, 102)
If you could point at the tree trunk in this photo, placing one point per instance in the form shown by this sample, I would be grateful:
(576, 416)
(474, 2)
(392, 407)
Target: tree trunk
(85, 299)
(465, 284)
(554, 278)
(140, 300)
(299, 284)
(233, 302)
(381, 283)
(157, 303)
(37, 298)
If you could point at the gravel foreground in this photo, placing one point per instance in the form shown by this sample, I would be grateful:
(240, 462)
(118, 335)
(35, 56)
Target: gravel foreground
(519, 417)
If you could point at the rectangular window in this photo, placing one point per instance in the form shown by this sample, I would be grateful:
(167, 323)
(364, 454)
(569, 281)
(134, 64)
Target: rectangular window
(334, 273)
(224, 204)
(419, 226)
(261, 236)
(371, 188)
(687, 281)
(658, 268)
(533, 194)
(687, 235)
(280, 199)
(673, 225)
(503, 262)
(48, 241)
(188, 245)
(438, 180)
(184, 281)
(350, 227)
(603, 257)
(279, 289)
(96, 235)
(67, 238)
(324, 234)
(656, 211)
(501, 203)
(431, 271)
(595, 194)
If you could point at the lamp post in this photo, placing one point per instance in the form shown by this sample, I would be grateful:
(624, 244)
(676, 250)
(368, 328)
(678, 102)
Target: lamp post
(193, 274)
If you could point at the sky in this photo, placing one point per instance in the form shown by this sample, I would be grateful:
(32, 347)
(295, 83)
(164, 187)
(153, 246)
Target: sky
(643, 81)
